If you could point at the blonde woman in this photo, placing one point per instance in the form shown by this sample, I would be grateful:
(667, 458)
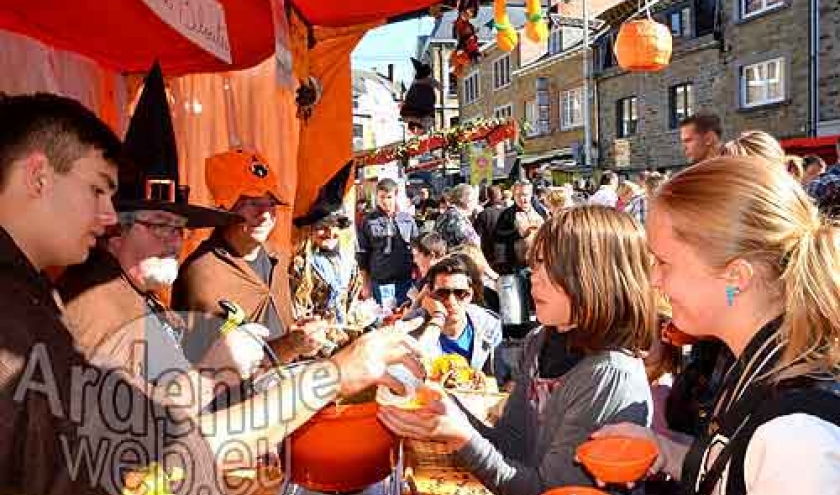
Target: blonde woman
(755, 266)
(580, 371)
(758, 144)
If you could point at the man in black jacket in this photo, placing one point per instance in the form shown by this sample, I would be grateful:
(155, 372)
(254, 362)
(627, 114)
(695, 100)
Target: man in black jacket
(485, 222)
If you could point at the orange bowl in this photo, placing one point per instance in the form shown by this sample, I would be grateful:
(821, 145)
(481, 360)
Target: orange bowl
(574, 490)
(618, 459)
(343, 448)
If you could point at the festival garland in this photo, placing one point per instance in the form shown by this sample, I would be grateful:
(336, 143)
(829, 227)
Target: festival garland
(493, 130)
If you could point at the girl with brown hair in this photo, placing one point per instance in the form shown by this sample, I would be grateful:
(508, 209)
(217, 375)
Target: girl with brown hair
(580, 371)
(754, 265)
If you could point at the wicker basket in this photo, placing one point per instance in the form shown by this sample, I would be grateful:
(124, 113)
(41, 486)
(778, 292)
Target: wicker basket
(486, 406)
(422, 454)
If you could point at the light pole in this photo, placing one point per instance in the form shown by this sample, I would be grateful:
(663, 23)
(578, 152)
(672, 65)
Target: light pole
(587, 124)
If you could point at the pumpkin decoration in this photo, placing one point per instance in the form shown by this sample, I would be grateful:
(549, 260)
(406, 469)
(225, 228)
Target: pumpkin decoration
(536, 29)
(643, 45)
(506, 36)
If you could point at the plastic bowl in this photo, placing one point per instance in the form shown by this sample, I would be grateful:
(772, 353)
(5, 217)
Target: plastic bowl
(342, 449)
(618, 459)
(574, 490)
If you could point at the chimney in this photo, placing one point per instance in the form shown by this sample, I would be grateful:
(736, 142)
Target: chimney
(391, 72)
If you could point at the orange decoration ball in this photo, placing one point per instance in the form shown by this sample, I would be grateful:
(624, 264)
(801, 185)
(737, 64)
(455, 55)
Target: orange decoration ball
(643, 45)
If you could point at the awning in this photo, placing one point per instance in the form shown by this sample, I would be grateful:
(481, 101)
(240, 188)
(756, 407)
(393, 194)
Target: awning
(127, 36)
(336, 13)
(537, 158)
(824, 146)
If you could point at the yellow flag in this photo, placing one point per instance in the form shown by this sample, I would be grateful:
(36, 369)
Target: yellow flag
(481, 166)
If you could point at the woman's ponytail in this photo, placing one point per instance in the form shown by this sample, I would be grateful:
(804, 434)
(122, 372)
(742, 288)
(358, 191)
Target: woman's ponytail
(811, 279)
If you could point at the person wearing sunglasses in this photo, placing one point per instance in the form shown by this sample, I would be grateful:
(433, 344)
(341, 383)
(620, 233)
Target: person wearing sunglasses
(456, 325)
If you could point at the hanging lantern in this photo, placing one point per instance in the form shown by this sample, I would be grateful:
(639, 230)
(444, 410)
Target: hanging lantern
(506, 36)
(643, 45)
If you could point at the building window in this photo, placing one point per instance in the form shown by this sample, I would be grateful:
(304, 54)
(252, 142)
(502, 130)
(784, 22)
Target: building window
(628, 116)
(763, 83)
(503, 112)
(358, 136)
(452, 89)
(355, 102)
(705, 13)
(603, 53)
(501, 72)
(750, 8)
(471, 88)
(555, 41)
(543, 106)
(680, 22)
(532, 118)
(681, 98)
(571, 108)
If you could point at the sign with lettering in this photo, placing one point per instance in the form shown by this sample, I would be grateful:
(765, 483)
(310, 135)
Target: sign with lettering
(622, 153)
(200, 21)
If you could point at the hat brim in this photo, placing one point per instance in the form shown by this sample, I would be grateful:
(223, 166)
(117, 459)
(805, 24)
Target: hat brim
(340, 221)
(197, 216)
(321, 218)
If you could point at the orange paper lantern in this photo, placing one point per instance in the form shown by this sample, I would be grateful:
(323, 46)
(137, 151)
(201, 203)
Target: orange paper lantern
(643, 45)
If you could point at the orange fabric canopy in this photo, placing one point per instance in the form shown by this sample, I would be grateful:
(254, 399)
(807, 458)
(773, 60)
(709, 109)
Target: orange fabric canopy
(351, 12)
(126, 36)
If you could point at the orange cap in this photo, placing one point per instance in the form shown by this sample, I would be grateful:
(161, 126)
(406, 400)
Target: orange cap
(237, 173)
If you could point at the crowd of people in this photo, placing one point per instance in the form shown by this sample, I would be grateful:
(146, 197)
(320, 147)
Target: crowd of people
(738, 252)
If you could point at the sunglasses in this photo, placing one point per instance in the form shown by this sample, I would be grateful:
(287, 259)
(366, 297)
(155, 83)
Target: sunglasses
(443, 293)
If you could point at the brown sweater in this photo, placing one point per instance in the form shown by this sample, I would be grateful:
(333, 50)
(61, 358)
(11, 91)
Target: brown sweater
(213, 272)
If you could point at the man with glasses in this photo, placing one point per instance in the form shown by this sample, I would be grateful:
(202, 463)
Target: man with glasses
(456, 325)
(112, 300)
(237, 264)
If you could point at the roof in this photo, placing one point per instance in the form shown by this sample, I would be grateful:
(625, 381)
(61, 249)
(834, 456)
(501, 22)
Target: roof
(362, 75)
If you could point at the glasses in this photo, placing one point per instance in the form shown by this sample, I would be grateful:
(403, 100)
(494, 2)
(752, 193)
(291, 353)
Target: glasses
(162, 230)
(443, 293)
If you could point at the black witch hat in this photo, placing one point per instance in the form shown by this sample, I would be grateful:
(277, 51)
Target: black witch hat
(149, 180)
(517, 173)
(421, 70)
(328, 204)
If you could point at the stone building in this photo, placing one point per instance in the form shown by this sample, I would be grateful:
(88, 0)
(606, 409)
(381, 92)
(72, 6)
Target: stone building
(828, 70)
(746, 60)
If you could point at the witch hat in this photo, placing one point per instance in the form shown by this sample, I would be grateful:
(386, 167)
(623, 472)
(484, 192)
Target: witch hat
(421, 70)
(516, 174)
(328, 204)
(149, 181)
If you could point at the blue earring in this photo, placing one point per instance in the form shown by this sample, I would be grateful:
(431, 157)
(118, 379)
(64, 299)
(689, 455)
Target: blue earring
(731, 292)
